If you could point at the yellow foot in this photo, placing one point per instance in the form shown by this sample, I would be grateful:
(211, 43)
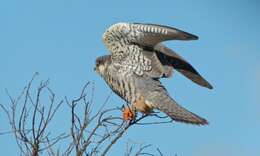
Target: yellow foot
(128, 114)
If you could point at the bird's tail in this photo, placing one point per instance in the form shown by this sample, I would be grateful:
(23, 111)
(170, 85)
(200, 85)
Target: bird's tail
(167, 105)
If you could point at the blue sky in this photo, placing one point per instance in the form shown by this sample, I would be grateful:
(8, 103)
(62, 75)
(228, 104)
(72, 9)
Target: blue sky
(60, 39)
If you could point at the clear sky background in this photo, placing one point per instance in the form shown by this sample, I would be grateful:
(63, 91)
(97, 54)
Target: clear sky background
(60, 39)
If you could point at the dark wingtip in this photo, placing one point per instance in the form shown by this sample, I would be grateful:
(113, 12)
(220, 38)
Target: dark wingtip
(194, 37)
(203, 122)
(209, 86)
(206, 83)
(189, 36)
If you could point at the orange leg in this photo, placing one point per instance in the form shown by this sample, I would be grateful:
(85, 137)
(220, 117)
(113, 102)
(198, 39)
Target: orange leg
(128, 114)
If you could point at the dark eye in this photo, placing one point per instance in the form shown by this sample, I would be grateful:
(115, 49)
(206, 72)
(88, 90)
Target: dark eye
(98, 62)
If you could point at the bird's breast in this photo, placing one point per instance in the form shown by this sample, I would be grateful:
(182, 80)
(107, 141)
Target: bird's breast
(122, 86)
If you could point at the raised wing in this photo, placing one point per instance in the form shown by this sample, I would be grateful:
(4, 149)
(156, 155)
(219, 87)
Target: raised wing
(136, 48)
(127, 41)
(144, 34)
(152, 34)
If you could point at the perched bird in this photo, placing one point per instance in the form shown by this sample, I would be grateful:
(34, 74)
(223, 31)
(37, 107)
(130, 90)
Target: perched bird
(137, 62)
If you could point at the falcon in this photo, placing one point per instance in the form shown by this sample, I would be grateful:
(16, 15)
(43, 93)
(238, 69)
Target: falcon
(138, 61)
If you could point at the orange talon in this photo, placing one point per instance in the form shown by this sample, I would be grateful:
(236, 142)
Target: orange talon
(128, 114)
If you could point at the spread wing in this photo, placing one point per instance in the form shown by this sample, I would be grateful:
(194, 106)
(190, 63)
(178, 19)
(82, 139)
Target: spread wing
(143, 34)
(151, 34)
(135, 48)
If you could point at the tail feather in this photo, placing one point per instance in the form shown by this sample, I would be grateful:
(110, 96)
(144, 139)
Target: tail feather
(167, 105)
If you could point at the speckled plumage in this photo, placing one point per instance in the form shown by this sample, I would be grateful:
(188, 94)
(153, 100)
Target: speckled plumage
(138, 60)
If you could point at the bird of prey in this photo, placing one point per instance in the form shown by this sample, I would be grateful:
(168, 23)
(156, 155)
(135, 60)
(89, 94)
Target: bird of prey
(137, 62)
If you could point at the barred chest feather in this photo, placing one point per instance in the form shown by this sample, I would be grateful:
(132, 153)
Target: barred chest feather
(122, 85)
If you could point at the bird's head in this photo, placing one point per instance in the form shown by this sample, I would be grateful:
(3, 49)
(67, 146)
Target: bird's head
(102, 64)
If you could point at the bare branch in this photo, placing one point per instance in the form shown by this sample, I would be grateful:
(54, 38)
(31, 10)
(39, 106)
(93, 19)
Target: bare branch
(92, 132)
(31, 140)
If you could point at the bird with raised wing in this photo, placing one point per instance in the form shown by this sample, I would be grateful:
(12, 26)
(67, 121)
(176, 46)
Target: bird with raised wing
(137, 62)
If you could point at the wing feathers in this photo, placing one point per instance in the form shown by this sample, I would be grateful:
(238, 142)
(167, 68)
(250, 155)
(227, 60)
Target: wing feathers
(151, 34)
(168, 56)
(157, 70)
(147, 37)
(164, 30)
(144, 34)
